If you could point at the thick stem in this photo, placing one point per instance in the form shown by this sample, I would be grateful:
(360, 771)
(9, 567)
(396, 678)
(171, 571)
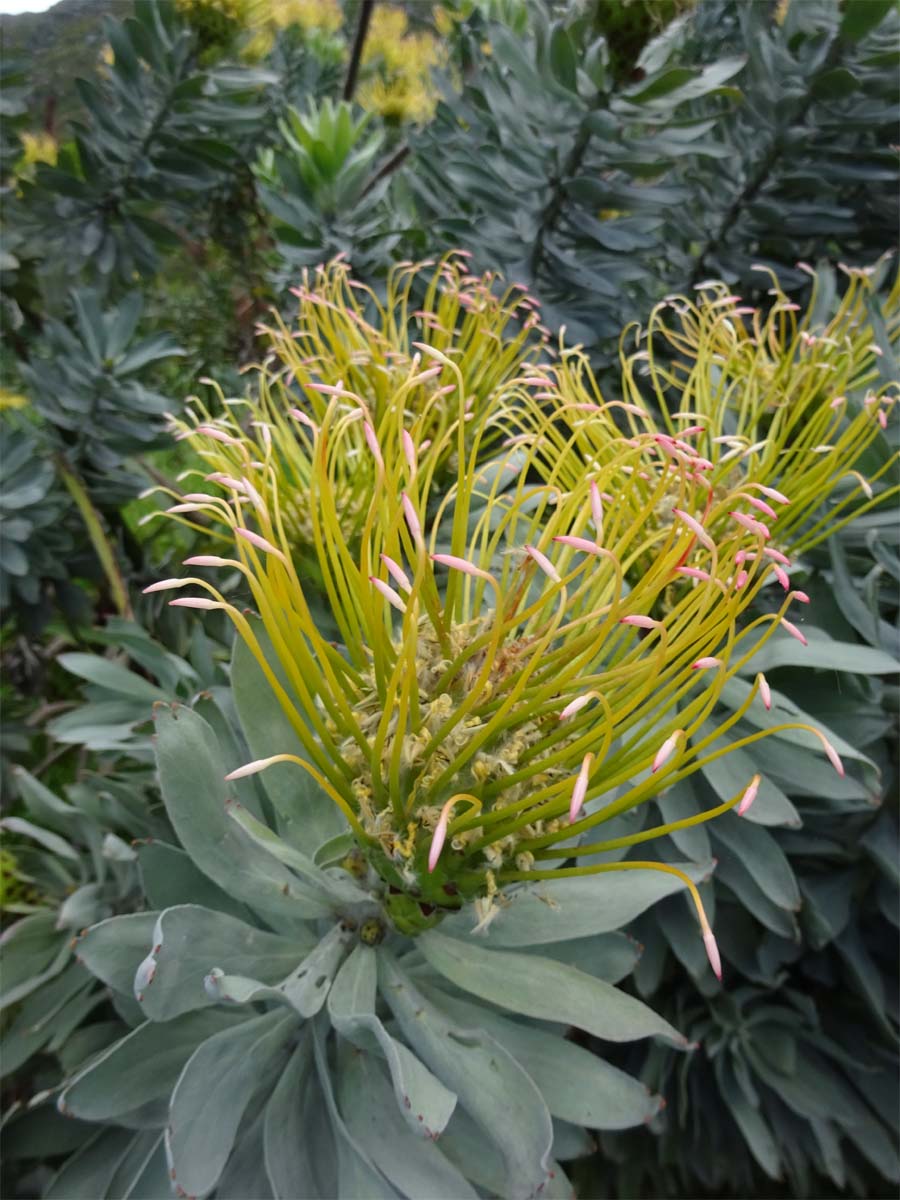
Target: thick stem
(387, 168)
(554, 207)
(362, 29)
(758, 177)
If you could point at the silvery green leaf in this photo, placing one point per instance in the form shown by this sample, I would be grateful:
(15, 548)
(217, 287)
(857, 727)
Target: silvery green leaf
(829, 1142)
(424, 1102)
(87, 1174)
(112, 677)
(334, 850)
(170, 878)
(188, 941)
(307, 817)
(731, 871)
(44, 837)
(117, 850)
(28, 949)
(676, 803)
(357, 1174)
(731, 774)
(194, 791)
(305, 989)
(807, 772)
(413, 1164)
(245, 1173)
(539, 987)
(761, 856)
(337, 885)
(42, 1013)
(822, 652)
(609, 956)
(297, 1139)
(560, 909)
(571, 1141)
(752, 1125)
(212, 1094)
(113, 949)
(83, 907)
(143, 1173)
(43, 804)
(141, 1067)
(490, 1084)
(785, 711)
(577, 1086)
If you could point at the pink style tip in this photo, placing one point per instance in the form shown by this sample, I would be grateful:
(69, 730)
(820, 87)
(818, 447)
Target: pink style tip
(437, 840)
(409, 450)
(580, 789)
(388, 592)
(712, 952)
(794, 631)
(544, 563)
(194, 602)
(578, 543)
(751, 525)
(705, 664)
(163, 585)
(831, 754)
(461, 564)
(257, 540)
(251, 768)
(397, 573)
(575, 706)
(597, 509)
(666, 750)
(695, 527)
(412, 519)
(765, 691)
(749, 795)
(640, 622)
(372, 443)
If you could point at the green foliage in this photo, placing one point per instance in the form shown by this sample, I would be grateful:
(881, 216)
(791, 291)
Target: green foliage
(159, 141)
(322, 192)
(808, 170)
(86, 382)
(238, 1006)
(593, 166)
(37, 533)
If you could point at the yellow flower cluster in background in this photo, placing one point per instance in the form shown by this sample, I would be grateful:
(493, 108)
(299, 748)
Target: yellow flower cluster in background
(312, 16)
(401, 88)
(37, 147)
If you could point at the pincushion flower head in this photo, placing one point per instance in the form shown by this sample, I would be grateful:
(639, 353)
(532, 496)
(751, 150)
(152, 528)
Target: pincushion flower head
(498, 691)
(349, 345)
(777, 410)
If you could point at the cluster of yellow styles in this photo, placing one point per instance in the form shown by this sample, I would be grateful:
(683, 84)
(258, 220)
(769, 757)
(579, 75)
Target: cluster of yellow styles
(540, 593)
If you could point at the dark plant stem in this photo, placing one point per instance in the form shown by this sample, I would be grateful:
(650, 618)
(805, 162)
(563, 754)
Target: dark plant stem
(554, 206)
(776, 150)
(387, 168)
(362, 28)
